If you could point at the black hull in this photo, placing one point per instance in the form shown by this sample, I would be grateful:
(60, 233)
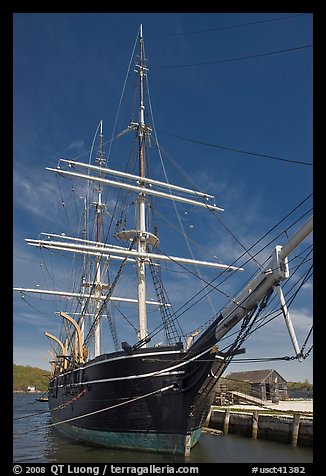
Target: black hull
(152, 399)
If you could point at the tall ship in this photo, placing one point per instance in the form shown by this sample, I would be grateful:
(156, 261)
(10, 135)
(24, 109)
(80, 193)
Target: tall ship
(153, 389)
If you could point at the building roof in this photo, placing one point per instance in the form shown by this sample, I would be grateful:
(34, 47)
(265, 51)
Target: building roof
(254, 376)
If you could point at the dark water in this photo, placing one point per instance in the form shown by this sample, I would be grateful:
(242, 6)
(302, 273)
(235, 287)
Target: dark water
(35, 442)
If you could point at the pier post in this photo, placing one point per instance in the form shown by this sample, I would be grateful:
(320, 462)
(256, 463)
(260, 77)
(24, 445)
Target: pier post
(187, 445)
(254, 430)
(226, 421)
(295, 429)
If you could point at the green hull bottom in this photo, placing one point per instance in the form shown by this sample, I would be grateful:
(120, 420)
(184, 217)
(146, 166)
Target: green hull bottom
(157, 442)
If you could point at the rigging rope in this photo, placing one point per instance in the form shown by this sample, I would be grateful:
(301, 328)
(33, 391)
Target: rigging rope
(109, 294)
(122, 93)
(228, 60)
(215, 316)
(232, 149)
(159, 149)
(227, 27)
(192, 185)
(173, 203)
(263, 320)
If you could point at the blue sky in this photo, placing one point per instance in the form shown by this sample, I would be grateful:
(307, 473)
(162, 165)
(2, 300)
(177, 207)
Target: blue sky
(69, 70)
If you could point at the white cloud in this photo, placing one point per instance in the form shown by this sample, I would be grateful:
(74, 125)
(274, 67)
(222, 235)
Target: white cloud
(35, 195)
(36, 319)
(307, 287)
(302, 319)
(77, 145)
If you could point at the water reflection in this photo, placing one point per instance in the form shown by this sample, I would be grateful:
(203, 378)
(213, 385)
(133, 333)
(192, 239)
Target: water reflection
(48, 445)
(209, 449)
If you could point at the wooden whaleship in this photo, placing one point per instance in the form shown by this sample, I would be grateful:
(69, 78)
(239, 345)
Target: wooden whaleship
(142, 395)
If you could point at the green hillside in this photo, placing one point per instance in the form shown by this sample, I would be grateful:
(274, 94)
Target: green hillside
(25, 376)
(300, 385)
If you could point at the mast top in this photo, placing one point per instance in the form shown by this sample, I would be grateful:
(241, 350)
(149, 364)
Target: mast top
(141, 31)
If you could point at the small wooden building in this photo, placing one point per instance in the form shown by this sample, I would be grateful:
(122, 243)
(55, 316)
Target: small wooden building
(262, 384)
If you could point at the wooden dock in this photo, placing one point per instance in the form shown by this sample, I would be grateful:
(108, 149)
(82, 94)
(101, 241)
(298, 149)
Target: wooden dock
(295, 429)
(247, 398)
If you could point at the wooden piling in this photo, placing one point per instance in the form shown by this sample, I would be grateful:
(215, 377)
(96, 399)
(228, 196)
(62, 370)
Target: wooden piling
(254, 429)
(295, 429)
(284, 427)
(226, 421)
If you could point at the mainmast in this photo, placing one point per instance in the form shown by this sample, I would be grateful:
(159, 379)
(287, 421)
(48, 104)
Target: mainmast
(138, 238)
(141, 240)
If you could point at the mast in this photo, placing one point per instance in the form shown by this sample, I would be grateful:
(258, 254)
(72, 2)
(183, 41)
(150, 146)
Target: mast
(98, 284)
(141, 240)
(83, 301)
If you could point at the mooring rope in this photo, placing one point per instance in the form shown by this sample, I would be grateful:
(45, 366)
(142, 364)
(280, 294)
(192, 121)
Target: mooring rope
(62, 406)
(30, 403)
(164, 389)
(161, 390)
